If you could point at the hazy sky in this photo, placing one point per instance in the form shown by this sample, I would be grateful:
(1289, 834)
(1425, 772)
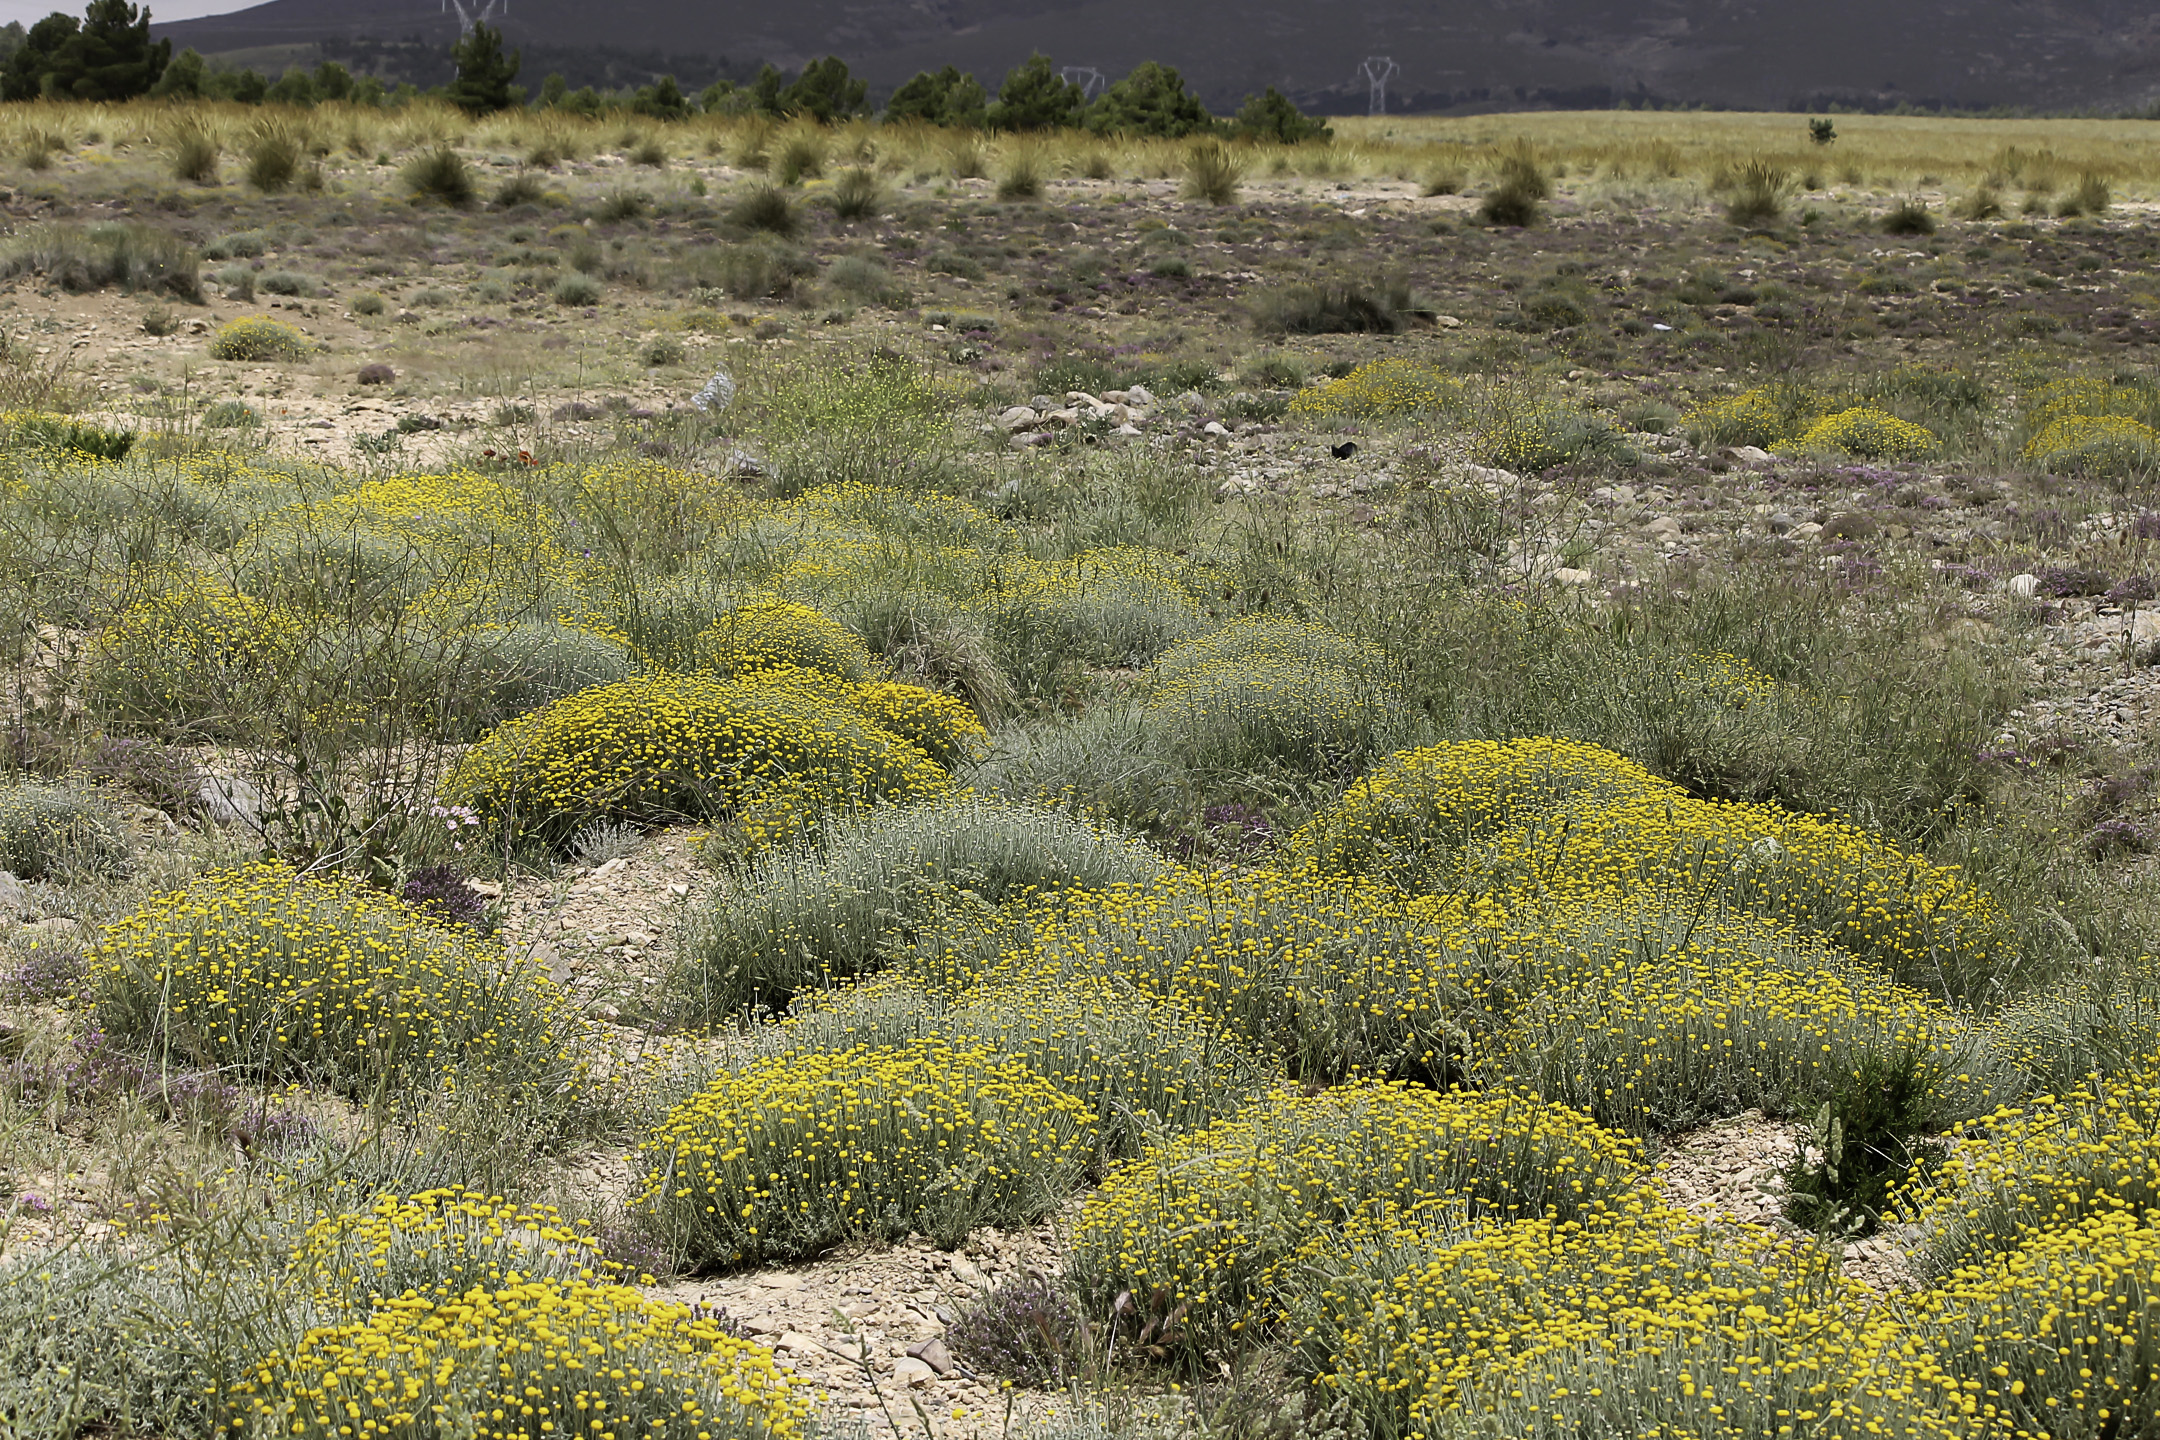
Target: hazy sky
(29, 11)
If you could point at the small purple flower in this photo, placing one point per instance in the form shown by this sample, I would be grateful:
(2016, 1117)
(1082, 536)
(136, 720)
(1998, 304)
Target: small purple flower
(34, 1203)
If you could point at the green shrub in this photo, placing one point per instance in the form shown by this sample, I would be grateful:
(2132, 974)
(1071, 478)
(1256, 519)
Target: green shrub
(1520, 185)
(50, 832)
(869, 419)
(1909, 217)
(285, 282)
(502, 674)
(576, 290)
(767, 753)
(91, 1343)
(195, 150)
(1023, 177)
(1341, 308)
(230, 415)
(866, 282)
(790, 1156)
(254, 339)
(858, 196)
(523, 188)
(367, 302)
(884, 883)
(1213, 173)
(273, 157)
(1211, 1223)
(1757, 192)
(293, 978)
(69, 437)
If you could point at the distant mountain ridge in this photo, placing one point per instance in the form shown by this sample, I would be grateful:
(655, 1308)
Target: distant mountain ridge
(1450, 54)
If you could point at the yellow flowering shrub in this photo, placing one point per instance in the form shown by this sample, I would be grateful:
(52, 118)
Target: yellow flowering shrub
(521, 1360)
(789, 1156)
(1870, 434)
(288, 976)
(1753, 417)
(1628, 1319)
(1652, 1015)
(2045, 1166)
(1103, 607)
(1211, 1221)
(1264, 689)
(2087, 396)
(769, 633)
(253, 339)
(771, 753)
(1381, 388)
(2059, 1337)
(451, 1238)
(942, 725)
(2101, 445)
(176, 657)
(1561, 821)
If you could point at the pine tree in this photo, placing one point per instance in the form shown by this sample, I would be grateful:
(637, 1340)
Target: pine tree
(1152, 100)
(484, 73)
(1036, 97)
(1272, 116)
(107, 55)
(825, 92)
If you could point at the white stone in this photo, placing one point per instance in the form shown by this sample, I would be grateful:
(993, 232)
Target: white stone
(1214, 427)
(1752, 455)
(1017, 418)
(2023, 586)
(913, 1373)
(1804, 532)
(229, 800)
(963, 1270)
(1568, 576)
(1139, 395)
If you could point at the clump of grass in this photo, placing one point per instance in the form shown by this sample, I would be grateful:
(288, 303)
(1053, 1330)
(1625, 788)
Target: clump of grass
(1338, 308)
(442, 175)
(1213, 173)
(195, 149)
(1758, 192)
(367, 302)
(273, 157)
(1983, 203)
(523, 188)
(83, 258)
(47, 831)
(1023, 177)
(649, 152)
(857, 195)
(256, 338)
(1520, 187)
(802, 156)
(865, 281)
(766, 208)
(2091, 197)
(1909, 217)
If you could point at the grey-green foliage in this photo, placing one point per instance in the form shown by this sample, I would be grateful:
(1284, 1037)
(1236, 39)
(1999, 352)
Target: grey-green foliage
(920, 876)
(48, 831)
(1262, 691)
(523, 667)
(93, 1344)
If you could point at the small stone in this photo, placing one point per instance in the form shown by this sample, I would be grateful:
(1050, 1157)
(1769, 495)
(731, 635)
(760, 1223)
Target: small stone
(913, 1373)
(795, 1342)
(2024, 586)
(1780, 523)
(932, 1352)
(1752, 455)
(1029, 439)
(1568, 576)
(12, 894)
(229, 800)
(963, 1270)
(1214, 427)
(780, 1281)
(1804, 532)
(1139, 396)
(1018, 418)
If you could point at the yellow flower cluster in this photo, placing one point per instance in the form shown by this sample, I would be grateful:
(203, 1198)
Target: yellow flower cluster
(2086, 395)
(1208, 1222)
(2070, 434)
(1264, 689)
(2048, 1166)
(176, 652)
(1630, 1319)
(521, 1360)
(282, 974)
(256, 338)
(1381, 388)
(452, 1238)
(1652, 1015)
(770, 751)
(943, 726)
(2060, 1337)
(1753, 417)
(1555, 820)
(791, 1155)
(1870, 434)
(769, 633)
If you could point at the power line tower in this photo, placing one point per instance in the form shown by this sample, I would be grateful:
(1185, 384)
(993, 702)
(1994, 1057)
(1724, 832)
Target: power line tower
(1378, 70)
(1090, 80)
(479, 13)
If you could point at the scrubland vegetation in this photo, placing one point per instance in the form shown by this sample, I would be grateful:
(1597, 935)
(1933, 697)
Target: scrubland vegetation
(1295, 713)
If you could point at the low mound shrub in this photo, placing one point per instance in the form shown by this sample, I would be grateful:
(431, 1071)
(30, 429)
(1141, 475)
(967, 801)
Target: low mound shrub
(1870, 434)
(48, 832)
(766, 753)
(1759, 417)
(2062, 1334)
(506, 672)
(289, 977)
(874, 885)
(787, 1157)
(526, 1357)
(1640, 1320)
(2048, 1166)
(254, 339)
(440, 1240)
(1101, 608)
(765, 634)
(946, 727)
(1143, 1068)
(1213, 1221)
(2102, 446)
(1381, 388)
(1264, 690)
